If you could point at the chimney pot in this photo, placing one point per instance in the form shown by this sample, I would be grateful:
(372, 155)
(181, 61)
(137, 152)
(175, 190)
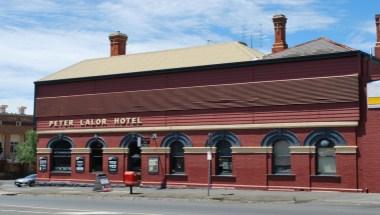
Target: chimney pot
(118, 42)
(21, 110)
(377, 46)
(3, 108)
(279, 22)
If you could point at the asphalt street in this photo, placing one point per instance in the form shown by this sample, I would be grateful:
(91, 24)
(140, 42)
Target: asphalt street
(83, 201)
(74, 205)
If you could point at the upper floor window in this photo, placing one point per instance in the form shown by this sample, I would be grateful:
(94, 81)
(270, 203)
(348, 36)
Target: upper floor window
(18, 123)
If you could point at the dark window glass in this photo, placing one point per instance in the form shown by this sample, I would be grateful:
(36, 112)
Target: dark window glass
(281, 157)
(326, 163)
(96, 157)
(223, 158)
(134, 157)
(61, 151)
(177, 164)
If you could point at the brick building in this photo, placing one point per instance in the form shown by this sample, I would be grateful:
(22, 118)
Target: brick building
(297, 118)
(13, 127)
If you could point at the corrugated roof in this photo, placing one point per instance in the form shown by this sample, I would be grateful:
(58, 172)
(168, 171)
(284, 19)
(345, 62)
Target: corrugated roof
(314, 47)
(229, 52)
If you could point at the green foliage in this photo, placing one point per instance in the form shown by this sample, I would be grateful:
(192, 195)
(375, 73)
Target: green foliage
(26, 152)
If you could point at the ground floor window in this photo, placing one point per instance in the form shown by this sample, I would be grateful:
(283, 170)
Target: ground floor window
(177, 163)
(96, 157)
(13, 148)
(281, 157)
(134, 157)
(224, 158)
(61, 155)
(326, 162)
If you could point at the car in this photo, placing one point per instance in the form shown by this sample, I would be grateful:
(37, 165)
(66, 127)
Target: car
(29, 180)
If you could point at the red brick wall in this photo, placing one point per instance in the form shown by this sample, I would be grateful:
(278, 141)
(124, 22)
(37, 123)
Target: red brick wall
(369, 148)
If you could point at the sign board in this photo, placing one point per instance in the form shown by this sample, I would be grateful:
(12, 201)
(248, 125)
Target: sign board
(79, 164)
(373, 93)
(153, 165)
(42, 164)
(112, 164)
(102, 184)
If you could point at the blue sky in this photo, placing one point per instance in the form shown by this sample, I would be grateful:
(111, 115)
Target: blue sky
(38, 37)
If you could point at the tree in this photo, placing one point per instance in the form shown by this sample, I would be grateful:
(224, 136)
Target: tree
(26, 152)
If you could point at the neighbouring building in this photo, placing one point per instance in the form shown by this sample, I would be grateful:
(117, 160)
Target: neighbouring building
(13, 127)
(300, 118)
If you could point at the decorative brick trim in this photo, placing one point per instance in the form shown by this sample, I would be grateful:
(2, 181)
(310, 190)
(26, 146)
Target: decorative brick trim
(205, 127)
(251, 150)
(302, 149)
(80, 150)
(115, 150)
(44, 150)
(346, 149)
(155, 150)
(198, 150)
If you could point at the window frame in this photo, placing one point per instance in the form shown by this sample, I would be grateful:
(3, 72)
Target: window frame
(223, 159)
(288, 156)
(177, 158)
(318, 157)
(60, 145)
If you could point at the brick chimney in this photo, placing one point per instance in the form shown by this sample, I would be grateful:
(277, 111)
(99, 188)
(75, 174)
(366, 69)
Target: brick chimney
(377, 46)
(279, 22)
(118, 43)
(3, 108)
(21, 110)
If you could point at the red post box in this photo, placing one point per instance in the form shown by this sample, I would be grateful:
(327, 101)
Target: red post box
(130, 179)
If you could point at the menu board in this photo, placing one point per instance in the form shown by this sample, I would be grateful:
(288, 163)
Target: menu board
(79, 164)
(153, 165)
(42, 164)
(112, 164)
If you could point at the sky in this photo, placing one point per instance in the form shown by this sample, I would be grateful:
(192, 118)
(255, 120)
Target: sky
(39, 37)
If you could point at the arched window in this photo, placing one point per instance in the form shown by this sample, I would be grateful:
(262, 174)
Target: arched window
(223, 141)
(96, 146)
(133, 142)
(177, 161)
(176, 141)
(134, 157)
(281, 157)
(326, 162)
(223, 158)
(280, 140)
(325, 141)
(61, 153)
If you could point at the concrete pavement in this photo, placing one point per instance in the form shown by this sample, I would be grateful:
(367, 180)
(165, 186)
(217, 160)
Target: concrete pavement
(244, 196)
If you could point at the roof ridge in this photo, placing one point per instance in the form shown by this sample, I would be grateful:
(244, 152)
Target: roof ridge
(165, 50)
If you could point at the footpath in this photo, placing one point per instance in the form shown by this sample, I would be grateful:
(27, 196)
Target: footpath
(244, 196)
